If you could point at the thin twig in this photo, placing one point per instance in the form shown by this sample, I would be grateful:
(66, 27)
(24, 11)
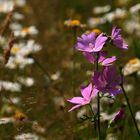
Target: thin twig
(7, 51)
(128, 103)
(6, 22)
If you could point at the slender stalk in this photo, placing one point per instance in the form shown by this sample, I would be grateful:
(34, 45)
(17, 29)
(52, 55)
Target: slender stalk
(47, 76)
(6, 22)
(92, 112)
(98, 102)
(128, 103)
(97, 59)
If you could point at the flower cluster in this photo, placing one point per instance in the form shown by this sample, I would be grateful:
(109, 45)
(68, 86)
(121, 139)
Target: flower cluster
(16, 54)
(21, 50)
(128, 17)
(105, 80)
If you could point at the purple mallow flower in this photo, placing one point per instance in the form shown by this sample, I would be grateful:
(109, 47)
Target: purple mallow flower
(91, 57)
(89, 42)
(117, 38)
(117, 116)
(88, 93)
(107, 81)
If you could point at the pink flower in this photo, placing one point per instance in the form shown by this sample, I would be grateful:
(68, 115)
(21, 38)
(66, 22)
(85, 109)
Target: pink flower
(87, 94)
(117, 116)
(89, 42)
(107, 81)
(117, 38)
(103, 60)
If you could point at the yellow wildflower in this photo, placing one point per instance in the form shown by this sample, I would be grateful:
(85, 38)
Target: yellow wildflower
(72, 23)
(134, 61)
(25, 30)
(96, 30)
(19, 116)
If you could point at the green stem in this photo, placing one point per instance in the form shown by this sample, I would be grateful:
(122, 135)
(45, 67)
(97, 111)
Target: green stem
(128, 103)
(47, 76)
(90, 106)
(98, 107)
(98, 102)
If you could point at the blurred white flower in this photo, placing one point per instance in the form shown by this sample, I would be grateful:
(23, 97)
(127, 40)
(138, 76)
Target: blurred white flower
(20, 52)
(108, 100)
(55, 76)
(31, 30)
(128, 87)
(138, 73)
(2, 41)
(19, 61)
(6, 6)
(27, 81)
(131, 67)
(109, 17)
(59, 101)
(15, 26)
(137, 116)
(20, 3)
(135, 9)
(14, 100)
(30, 47)
(25, 49)
(106, 117)
(117, 14)
(17, 16)
(93, 22)
(81, 112)
(132, 26)
(89, 72)
(101, 9)
(37, 127)
(6, 120)
(10, 86)
(27, 136)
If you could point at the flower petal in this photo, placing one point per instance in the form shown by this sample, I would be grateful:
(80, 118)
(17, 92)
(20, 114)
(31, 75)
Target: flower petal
(90, 38)
(90, 57)
(76, 100)
(86, 92)
(115, 32)
(94, 93)
(109, 61)
(114, 91)
(74, 107)
(99, 43)
(117, 38)
(102, 55)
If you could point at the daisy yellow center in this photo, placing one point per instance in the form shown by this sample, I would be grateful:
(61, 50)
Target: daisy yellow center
(134, 61)
(96, 30)
(19, 116)
(14, 50)
(75, 23)
(26, 30)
